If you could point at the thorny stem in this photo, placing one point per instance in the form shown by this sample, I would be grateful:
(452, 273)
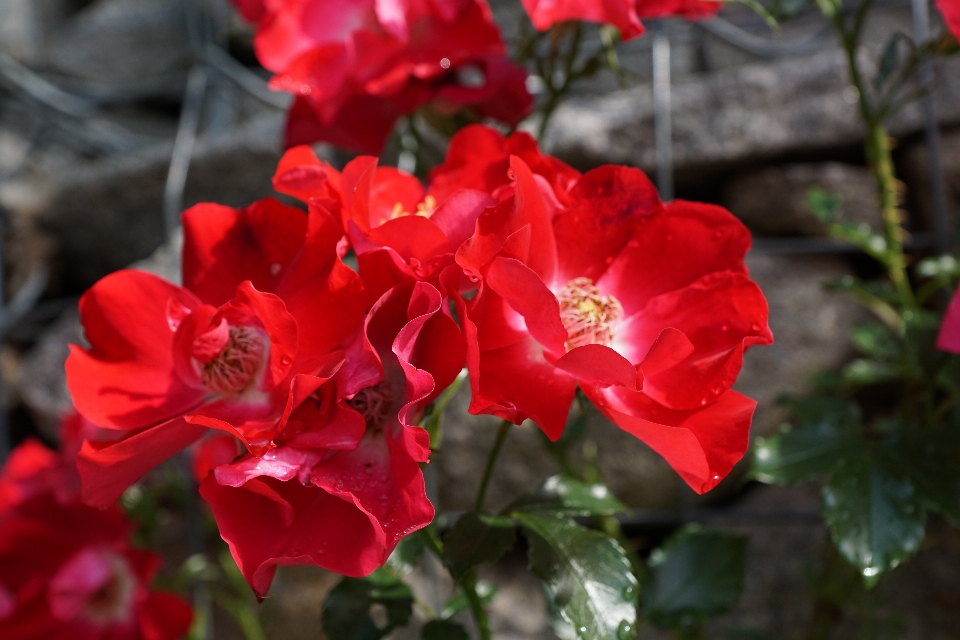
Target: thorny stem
(877, 146)
(491, 461)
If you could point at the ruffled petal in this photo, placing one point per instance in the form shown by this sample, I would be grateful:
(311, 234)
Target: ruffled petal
(721, 315)
(267, 523)
(701, 445)
(604, 209)
(224, 247)
(679, 245)
(107, 469)
(127, 379)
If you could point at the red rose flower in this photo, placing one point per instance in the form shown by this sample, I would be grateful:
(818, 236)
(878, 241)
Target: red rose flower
(949, 337)
(358, 65)
(951, 15)
(68, 570)
(647, 306)
(623, 14)
(251, 334)
(479, 158)
(399, 234)
(344, 484)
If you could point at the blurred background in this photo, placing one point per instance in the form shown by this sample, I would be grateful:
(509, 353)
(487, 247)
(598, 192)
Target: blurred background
(117, 114)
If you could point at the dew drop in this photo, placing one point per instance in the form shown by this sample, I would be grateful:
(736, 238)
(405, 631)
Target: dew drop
(583, 629)
(625, 631)
(628, 591)
(275, 268)
(305, 90)
(285, 360)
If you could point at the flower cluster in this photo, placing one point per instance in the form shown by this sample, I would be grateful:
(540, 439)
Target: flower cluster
(68, 570)
(356, 66)
(303, 381)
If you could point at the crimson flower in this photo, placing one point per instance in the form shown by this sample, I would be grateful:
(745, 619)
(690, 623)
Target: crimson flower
(358, 65)
(68, 570)
(949, 336)
(400, 233)
(647, 306)
(248, 338)
(951, 15)
(625, 15)
(344, 483)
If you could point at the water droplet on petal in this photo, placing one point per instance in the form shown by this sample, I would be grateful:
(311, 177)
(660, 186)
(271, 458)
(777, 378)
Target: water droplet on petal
(275, 268)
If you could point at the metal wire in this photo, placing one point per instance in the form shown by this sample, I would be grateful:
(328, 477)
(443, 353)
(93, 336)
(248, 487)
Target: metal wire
(183, 149)
(662, 125)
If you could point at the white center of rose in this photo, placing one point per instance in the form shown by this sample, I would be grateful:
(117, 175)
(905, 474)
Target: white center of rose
(232, 368)
(588, 316)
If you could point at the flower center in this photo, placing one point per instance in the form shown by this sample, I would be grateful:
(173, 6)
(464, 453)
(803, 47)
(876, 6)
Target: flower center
(424, 209)
(112, 601)
(229, 358)
(588, 317)
(374, 403)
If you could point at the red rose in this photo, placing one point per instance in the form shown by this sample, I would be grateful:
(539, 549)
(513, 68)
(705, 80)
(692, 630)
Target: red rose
(647, 306)
(399, 234)
(951, 15)
(68, 570)
(344, 484)
(623, 14)
(251, 334)
(949, 337)
(357, 66)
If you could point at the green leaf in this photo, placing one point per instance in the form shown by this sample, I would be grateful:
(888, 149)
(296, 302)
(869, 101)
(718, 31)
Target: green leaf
(695, 575)
(930, 460)
(824, 205)
(888, 61)
(407, 555)
(346, 611)
(799, 454)
(476, 539)
(443, 630)
(459, 602)
(566, 496)
(825, 432)
(586, 574)
(864, 372)
(874, 517)
(875, 340)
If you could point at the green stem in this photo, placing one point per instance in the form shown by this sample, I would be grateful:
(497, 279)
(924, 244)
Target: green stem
(491, 461)
(469, 585)
(877, 146)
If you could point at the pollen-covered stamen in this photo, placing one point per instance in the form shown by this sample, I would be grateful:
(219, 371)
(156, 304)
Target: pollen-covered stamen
(425, 209)
(588, 317)
(374, 403)
(233, 367)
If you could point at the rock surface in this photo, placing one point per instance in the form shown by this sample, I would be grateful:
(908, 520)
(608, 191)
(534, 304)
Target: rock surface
(773, 201)
(736, 116)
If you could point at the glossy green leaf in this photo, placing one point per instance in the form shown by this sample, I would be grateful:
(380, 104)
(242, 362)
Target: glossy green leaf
(873, 516)
(695, 575)
(476, 539)
(565, 496)
(407, 555)
(346, 611)
(812, 449)
(443, 630)
(586, 574)
(930, 461)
